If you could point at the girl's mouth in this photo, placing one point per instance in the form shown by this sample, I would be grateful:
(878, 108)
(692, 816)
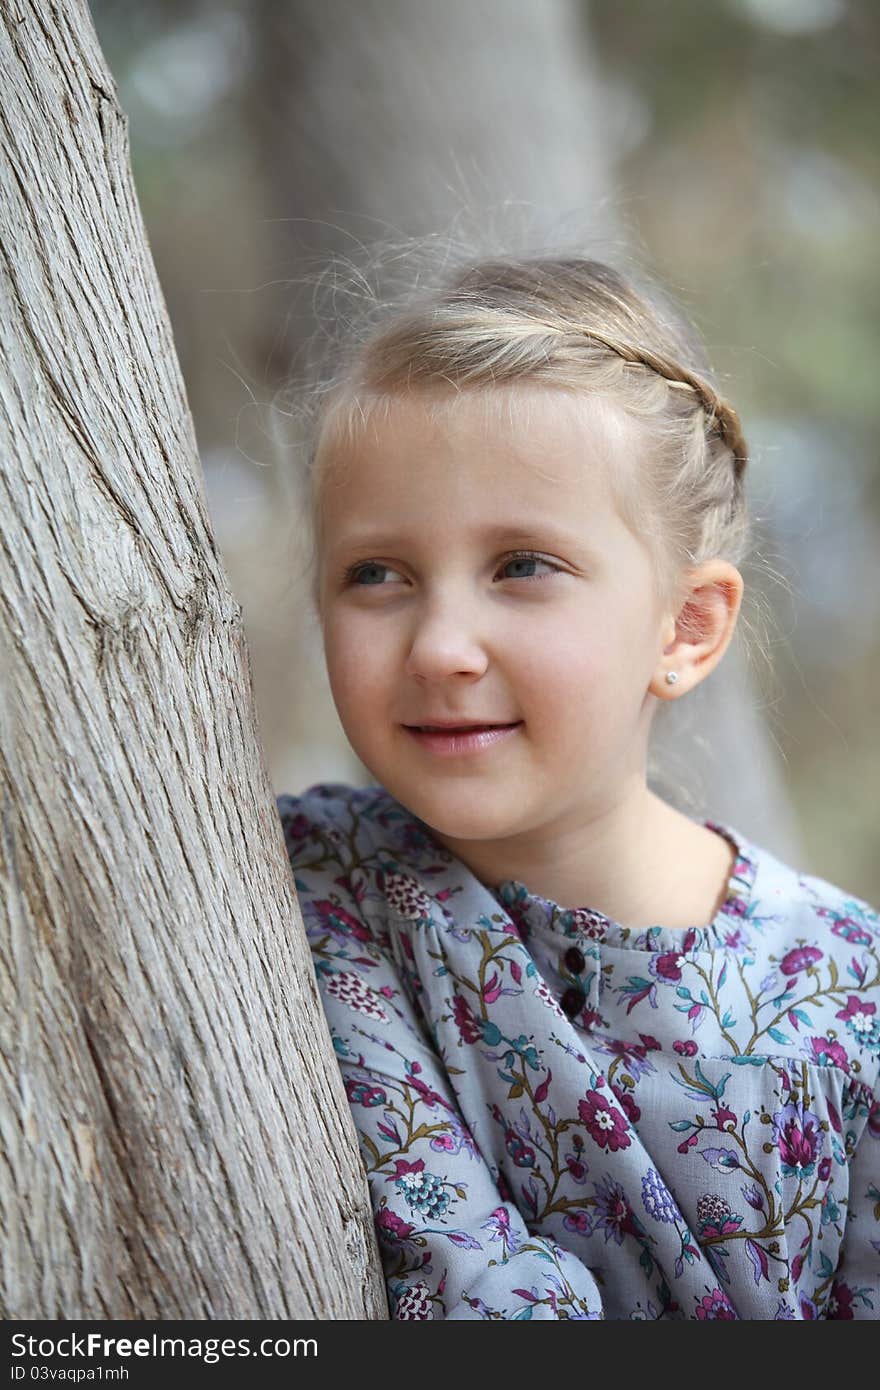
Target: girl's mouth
(450, 743)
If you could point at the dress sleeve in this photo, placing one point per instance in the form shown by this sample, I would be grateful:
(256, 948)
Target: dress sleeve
(855, 1292)
(452, 1245)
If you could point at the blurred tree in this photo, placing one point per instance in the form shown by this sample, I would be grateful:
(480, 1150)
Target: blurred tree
(176, 1139)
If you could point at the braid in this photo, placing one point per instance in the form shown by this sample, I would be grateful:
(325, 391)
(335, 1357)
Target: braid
(720, 414)
(536, 288)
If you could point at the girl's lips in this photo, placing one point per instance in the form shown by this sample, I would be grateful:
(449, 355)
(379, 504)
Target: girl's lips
(451, 743)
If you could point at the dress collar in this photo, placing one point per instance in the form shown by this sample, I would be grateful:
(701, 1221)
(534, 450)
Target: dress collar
(530, 911)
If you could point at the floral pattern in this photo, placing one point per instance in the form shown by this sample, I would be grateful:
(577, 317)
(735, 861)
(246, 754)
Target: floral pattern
(560, 1117)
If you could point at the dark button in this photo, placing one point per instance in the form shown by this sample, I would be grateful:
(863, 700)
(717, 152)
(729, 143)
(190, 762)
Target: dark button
(572, 1001)
(574, 959)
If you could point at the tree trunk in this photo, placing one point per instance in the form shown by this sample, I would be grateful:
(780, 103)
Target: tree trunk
(176, 1141)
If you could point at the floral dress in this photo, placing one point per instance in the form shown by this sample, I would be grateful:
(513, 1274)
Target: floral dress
(560, 1117)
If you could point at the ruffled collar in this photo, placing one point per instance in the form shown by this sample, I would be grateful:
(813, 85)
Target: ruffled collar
(530, 911)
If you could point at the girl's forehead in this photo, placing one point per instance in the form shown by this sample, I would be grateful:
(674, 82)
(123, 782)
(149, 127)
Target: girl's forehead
(469, 469)
(556, 435)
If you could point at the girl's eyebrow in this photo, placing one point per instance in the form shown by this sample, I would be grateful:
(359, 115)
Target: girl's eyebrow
(525, 533)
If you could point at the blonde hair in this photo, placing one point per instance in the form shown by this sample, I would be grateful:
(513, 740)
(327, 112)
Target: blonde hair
(578, 324)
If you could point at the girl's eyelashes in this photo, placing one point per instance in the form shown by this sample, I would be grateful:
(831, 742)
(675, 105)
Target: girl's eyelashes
(529, 557)
(366, 570)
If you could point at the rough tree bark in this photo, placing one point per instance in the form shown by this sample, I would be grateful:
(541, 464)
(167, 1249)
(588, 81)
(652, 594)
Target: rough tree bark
(175, 1136)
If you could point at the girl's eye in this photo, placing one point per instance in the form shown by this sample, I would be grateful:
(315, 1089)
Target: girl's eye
(369, 574)
(525, 565)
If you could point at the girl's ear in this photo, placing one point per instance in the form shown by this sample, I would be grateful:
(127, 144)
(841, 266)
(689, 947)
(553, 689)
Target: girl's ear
(699, 634)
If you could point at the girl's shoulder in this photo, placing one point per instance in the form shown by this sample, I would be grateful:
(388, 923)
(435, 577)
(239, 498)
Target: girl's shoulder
(801, 899)
(324, 802)
(348, 822)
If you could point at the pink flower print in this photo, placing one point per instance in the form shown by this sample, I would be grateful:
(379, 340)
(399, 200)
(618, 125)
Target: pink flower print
(491, 989)
(857, 1008)
(501, 1218)
(851, 932)
(861, 1021)
(715, 1305)
(722, 1116)
(828, 1053)
(390, 1228)
(735, 940)
(577, 1221)
(362, 1093)
(576, 1168)
(414, 1304)
(627, 1102)
(667, 966)
(840, 1302)
(614, 1215)
(297, 827)
(801, 958)
(498, 1226)
(715, 1217)
(799, 1138)
(403, 1166)
(825, 1169)
(543, 993)
(685, 1047)
(581, 921)
(445, 1143)
(350, 989)
(430, 1097)
(604, 1122)
(522, 1153)
(335, 919)
(633, 1056)
(404, 896)
(468, 1027)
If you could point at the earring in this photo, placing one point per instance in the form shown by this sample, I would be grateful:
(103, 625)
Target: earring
(671, 677)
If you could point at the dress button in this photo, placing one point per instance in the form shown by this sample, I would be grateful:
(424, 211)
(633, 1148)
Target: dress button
(572, 1001)
(574, 959)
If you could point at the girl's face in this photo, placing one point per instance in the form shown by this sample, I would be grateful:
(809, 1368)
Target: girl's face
(474, 570)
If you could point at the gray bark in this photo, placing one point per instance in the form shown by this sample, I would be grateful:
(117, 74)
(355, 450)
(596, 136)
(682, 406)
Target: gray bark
(175, 1140)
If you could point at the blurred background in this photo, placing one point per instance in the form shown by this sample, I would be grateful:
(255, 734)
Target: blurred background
(726, 148)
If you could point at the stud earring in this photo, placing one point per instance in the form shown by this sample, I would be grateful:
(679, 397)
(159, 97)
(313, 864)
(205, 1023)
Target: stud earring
(671, 677)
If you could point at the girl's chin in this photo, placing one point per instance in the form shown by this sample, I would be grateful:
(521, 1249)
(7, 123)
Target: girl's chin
(462, 815)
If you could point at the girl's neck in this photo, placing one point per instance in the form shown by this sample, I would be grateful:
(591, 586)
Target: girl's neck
(641, 864)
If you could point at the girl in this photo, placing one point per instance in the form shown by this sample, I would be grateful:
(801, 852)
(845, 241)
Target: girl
(604, 1060)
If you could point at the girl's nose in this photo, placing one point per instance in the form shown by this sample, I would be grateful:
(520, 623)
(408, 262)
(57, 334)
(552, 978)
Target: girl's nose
(445, 643)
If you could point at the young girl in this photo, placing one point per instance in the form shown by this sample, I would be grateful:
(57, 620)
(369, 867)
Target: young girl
(604, 1060)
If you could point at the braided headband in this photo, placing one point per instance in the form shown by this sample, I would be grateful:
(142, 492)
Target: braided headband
(720, 412)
